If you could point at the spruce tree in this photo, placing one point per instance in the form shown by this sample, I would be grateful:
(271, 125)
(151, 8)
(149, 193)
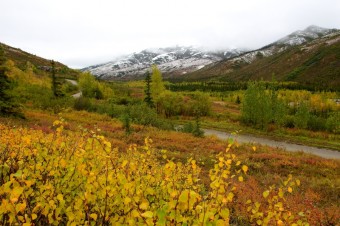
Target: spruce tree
(56, 85)
(8, 105)
(147, 91)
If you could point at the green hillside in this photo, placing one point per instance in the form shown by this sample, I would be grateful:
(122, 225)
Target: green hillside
(22, 60)
(315, 64)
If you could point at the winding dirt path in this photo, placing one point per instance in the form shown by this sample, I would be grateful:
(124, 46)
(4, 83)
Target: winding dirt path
(322, 152)
(75, 83)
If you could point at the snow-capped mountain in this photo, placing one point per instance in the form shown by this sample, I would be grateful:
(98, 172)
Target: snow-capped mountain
(299, 37)
(303, 56)
(296, 38)
(177, 61)
(174, 60)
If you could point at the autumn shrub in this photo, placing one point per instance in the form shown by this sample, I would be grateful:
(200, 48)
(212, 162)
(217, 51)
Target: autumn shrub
(78, 178)
(169, 103)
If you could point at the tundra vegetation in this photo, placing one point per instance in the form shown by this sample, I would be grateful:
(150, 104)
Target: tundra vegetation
(112, 157)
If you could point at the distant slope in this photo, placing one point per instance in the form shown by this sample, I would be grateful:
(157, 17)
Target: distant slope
(310, 57)
(172, 61)
(21, 58)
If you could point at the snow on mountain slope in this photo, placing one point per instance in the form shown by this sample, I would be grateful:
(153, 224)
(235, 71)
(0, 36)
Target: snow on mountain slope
(299, 37)
(176, 60)
(179, 60)
(296, 38)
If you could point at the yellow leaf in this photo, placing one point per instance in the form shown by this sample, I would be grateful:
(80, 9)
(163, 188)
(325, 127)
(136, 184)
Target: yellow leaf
(60, 197)
(279, 223)
(34, 216)
(184, 196)
(240, 178)
(29, 183)
(21, 207)
(93, 216)
(124, 163)
(127, 200)
(265, 194)
(221, 222)
(27, 140)
(134, 213)
(245, 168)
(298, 182)
(63, 163)
(56, 122)
(230, 196)
(144, 205)
(290, 190)
(254, 148)
(147, 214)
(281, 194)
(173, 194)
(225, 214)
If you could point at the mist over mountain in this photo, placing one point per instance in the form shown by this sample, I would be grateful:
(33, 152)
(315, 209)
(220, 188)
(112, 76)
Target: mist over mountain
(181, 60)
(177, 61)
(294, 39)
(310, 57)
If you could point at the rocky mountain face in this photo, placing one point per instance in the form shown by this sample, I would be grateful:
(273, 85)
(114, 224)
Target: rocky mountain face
(177, 61)
(173, 61)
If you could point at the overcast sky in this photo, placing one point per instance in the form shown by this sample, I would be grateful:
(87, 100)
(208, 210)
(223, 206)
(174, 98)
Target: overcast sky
(81, 33)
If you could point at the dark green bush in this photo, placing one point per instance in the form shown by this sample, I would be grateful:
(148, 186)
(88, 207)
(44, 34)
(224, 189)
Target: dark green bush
(333, 122)
(193, 128)
(288, 121)
(316, 123)
(83, 103)
(144, 115)
(188, 127)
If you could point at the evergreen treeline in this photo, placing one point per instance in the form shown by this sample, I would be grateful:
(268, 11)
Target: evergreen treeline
(219, 86)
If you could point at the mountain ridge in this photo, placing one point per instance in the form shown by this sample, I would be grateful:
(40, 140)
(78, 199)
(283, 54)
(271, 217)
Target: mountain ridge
(312, 62)
(176, 62)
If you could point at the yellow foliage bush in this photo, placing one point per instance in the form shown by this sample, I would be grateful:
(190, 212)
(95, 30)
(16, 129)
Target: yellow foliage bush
(77, 178)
